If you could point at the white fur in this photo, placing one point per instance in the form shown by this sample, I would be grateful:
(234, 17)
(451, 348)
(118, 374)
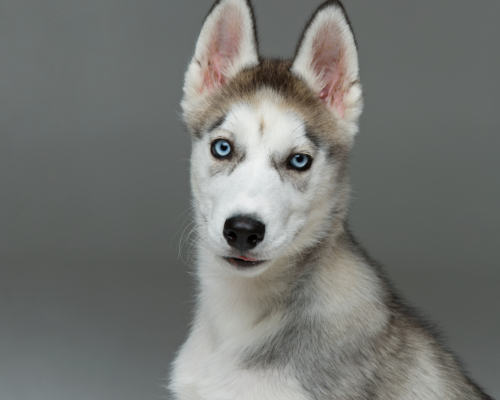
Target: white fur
(255, 187)
(208, 369)
(231, 301)
(208, 365)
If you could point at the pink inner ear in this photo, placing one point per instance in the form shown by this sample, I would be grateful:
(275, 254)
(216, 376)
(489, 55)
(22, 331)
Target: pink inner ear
(329, 65)
(223, 49)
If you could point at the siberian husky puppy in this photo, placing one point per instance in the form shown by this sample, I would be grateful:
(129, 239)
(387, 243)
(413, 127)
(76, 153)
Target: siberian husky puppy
(289, 305)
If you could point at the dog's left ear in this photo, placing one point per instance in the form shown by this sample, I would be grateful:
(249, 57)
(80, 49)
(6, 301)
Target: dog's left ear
(327, 60)
(227, 44)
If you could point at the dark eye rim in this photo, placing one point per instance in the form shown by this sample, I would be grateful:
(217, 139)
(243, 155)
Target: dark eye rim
(304, 168)
(216, 155)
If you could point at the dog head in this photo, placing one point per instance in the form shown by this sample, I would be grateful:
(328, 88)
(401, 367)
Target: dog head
(270, 138)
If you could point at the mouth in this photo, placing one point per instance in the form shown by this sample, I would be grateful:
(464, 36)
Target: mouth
(242, 262)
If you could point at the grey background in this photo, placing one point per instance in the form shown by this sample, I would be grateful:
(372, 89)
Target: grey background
(94, 299)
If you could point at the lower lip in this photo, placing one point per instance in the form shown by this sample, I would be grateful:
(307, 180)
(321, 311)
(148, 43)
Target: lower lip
(242, 263)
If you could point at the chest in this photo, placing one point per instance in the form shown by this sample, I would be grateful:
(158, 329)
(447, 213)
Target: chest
(204, 371)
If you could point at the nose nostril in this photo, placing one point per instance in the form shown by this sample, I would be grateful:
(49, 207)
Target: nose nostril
(230, 236)
(253, 239)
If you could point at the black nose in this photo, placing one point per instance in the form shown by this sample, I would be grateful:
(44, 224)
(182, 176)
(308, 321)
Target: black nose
(243, 233)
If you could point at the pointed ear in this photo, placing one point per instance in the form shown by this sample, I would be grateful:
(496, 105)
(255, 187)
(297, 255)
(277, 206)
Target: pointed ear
(327, 60)
(226, 45)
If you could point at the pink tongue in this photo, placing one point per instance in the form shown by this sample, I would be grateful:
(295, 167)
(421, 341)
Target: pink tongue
(247, 259)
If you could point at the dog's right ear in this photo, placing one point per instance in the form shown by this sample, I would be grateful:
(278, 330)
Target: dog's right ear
(227, 44)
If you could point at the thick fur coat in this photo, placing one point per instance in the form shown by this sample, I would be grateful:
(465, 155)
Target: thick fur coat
(289, 306)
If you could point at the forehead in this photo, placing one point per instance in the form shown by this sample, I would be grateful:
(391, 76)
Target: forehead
(266, 122)
(273, 85)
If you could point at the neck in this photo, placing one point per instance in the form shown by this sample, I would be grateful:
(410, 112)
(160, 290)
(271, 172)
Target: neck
(232, 304)
(331, 284)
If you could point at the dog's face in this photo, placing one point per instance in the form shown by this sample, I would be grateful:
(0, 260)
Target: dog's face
(257, 181)
(270, 138)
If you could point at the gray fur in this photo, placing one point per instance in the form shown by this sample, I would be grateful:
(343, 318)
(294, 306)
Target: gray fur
(368, 365)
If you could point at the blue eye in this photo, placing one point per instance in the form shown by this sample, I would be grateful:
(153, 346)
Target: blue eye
(300, 162)
(221, 148)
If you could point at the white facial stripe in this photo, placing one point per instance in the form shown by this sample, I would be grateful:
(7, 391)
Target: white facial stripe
(267, 129)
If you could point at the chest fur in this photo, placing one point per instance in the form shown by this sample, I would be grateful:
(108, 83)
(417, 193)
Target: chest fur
(209, 371)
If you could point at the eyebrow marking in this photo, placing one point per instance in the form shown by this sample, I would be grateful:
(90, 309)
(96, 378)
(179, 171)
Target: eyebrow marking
(217, 124)
(312, 138)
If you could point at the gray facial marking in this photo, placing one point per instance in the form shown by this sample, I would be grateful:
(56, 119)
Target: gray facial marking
(217, 124)
(297, 178)
(238, 158)
(228, 165)
(313, 138)
(277, 167)
(334, 151)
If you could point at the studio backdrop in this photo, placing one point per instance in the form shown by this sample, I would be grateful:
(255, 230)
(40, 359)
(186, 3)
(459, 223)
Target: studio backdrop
(95, 219)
